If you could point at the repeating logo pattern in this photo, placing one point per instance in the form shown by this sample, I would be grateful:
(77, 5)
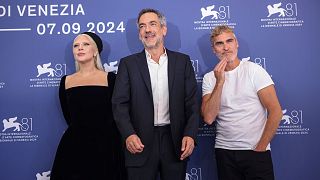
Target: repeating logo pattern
(43, 175)
(45, 69)
(48, 75)
(261, 61)
(208, 11)
(292, 123)
(196, 66)
(2, 85)
(212, 16)
(281, 15)
(10, 123)
(111, 67)
(194, 174)
(206, 130)
(275, 9)
(17, 130)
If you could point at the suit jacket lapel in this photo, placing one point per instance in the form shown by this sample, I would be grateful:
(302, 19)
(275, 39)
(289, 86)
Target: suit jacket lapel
(171, 68)
(143, 67)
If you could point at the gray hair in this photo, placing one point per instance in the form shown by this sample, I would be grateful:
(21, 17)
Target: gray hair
(161, 17)
(219, 30)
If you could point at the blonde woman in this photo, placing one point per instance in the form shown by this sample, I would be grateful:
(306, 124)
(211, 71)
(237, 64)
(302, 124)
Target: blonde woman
(90, 148)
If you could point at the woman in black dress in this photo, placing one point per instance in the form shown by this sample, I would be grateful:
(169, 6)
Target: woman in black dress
(90, 148)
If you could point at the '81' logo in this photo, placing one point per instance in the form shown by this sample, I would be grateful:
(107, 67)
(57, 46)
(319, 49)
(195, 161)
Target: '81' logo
(58, 70)
(261, 61)
(194, 174)
(224, 12)
(292, 117)
(195, 65)
(25, 124)
(282, 10)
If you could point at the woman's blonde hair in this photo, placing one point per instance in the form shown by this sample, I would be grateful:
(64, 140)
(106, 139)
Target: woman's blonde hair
(97, 59)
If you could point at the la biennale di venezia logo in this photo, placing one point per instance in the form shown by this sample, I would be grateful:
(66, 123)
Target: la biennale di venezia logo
(213, 15)
(48, 75)
(111, 67)
(17, 129)
(281, 15)
(43, 175)
(293, 123)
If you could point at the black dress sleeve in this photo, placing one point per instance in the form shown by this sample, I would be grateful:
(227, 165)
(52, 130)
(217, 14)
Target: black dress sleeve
(63, 100)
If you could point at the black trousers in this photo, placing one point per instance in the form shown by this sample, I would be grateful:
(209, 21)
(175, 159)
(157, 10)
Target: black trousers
(162, 160)
(244, 165)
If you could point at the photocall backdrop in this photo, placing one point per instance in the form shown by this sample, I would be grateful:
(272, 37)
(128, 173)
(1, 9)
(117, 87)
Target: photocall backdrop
(36, 51)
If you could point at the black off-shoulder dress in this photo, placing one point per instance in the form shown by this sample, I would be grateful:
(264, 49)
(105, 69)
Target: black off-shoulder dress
(90, 148)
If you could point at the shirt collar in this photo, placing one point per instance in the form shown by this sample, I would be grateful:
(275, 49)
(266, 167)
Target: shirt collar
(148, 55)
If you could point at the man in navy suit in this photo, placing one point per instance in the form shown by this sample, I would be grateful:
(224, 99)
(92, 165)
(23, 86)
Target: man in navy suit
(155, 105)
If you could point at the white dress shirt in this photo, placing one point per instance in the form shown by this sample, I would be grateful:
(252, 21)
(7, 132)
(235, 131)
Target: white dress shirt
(160, 88)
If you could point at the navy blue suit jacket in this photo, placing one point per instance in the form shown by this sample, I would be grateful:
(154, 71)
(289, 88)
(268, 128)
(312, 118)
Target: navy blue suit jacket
(133, 102)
